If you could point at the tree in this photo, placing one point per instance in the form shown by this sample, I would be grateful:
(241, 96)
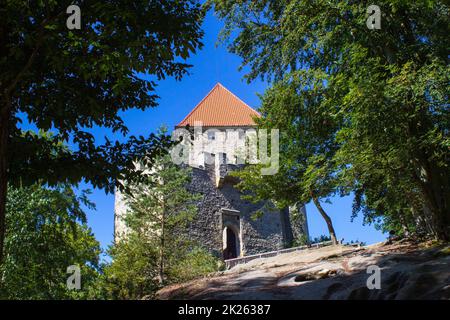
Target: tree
(155, 249)
(307, 171)
(133, 271)
(399, 172)
(71, 80)
(47, 233)
(160, 208)
(385, 90)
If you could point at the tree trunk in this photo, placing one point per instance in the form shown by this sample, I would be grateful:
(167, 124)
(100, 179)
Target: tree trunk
(161, 252)
(326, 218)
(4, 133)
(433, 180)
(439, 186)
(434, 187)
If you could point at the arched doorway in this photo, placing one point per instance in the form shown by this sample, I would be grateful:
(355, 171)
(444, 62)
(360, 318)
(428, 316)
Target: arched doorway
(231, 244)
(232, 237)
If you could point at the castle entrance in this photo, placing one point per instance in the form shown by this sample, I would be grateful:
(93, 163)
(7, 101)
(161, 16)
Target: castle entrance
(230, 251)
(231, 225)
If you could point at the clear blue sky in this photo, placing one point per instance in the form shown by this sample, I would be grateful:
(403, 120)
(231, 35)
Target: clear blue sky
(211, 65)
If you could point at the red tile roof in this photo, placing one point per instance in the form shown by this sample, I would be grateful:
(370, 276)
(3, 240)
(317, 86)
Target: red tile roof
(221, 108)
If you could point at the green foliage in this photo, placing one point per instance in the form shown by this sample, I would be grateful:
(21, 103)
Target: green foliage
(399, 168)
(71, 80)
(307, 169)
(47, 232)
(365, 111)
(353, 242)
(321, 238)
(156, 250)
(300, 241)
(196, 263)
(133, 271)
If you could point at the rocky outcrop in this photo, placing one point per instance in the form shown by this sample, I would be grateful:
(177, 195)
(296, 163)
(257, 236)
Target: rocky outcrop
(407, 271)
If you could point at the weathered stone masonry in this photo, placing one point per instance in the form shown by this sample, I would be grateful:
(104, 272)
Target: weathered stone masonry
(272, 231)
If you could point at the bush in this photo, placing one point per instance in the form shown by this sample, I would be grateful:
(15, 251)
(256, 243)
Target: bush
(322, 238)
(300, 241)
(197, 263)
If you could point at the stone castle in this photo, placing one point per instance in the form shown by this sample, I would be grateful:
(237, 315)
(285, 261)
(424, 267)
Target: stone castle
(225, 224)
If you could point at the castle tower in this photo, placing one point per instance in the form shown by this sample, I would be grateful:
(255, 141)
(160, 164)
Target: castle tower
(225, 224)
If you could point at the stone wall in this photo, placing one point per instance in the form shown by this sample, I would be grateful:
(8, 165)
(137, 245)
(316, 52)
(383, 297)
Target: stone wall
(271, 231)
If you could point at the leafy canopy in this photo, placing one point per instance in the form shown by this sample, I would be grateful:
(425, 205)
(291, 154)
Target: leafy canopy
(381, 97)
(47, 232)
(68, 81)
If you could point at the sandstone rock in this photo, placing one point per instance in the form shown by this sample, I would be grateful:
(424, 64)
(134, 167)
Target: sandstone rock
(407, 272)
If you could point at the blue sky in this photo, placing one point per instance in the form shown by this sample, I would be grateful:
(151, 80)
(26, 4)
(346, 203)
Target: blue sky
(211, 65)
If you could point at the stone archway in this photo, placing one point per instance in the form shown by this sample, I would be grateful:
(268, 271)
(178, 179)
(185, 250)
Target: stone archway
(231, 243)
(231, 234)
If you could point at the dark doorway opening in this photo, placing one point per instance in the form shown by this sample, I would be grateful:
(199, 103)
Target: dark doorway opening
(230, 251)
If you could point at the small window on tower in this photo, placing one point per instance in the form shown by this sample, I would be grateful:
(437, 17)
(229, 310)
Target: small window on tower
(223, 158)
(211, 135)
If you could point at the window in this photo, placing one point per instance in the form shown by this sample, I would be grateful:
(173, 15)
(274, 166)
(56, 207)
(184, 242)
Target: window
(211, 135)
(222, 158)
